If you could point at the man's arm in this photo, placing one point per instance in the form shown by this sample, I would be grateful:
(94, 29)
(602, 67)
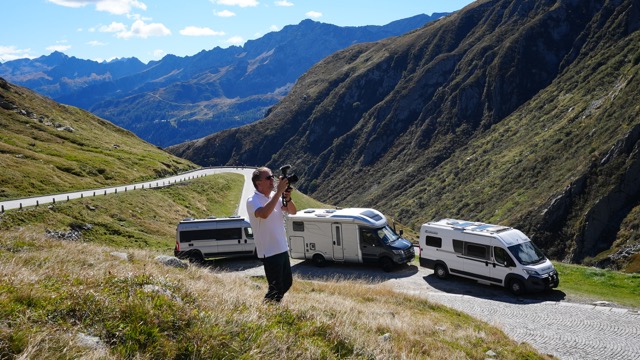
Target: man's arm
(291, 207)
(267, 209)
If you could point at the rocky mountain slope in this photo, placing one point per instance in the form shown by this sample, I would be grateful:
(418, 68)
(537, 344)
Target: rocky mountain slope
(183, 98)
(522, 113)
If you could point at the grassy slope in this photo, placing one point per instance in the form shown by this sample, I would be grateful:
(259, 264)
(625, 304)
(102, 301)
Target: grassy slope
(46, 147)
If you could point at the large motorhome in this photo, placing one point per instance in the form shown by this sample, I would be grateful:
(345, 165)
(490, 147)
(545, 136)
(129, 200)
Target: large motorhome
(490, 254)
(201, 239)
(356, 235)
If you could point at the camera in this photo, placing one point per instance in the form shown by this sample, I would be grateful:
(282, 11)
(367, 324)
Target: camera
(291, 178)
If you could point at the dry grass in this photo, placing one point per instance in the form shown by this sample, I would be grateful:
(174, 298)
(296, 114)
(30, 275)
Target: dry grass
(53, 291)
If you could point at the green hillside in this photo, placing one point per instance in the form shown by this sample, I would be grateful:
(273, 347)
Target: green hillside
(46, 148)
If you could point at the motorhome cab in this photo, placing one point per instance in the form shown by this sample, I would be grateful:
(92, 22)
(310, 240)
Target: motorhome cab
(491, 254)
(346, 235)
(200, 239)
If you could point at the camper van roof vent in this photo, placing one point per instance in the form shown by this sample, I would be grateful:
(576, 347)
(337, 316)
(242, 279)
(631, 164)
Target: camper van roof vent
(309, 211)
(211, 217)
(187, 219)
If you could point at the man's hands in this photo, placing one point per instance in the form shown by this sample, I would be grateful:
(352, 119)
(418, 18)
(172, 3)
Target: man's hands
(283, 184)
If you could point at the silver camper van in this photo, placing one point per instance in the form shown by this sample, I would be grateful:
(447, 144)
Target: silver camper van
(201, 239)
(490, 254)
(356, 235)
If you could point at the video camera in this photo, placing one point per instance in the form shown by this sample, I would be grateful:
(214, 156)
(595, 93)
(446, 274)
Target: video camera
(293, 178)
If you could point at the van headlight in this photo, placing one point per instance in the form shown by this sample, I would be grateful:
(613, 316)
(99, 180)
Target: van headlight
(530, 272)
(398, 252)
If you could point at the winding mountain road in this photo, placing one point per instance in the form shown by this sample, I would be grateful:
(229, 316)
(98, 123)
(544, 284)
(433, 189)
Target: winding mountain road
(551, 322)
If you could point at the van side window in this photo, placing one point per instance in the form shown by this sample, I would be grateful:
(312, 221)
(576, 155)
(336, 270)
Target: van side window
(458, 246)
(298, 226)
(248, 233)
(368, 237)
(477, 250)
(502, 257)
(228, 234)
(195, 235)
(433, 241)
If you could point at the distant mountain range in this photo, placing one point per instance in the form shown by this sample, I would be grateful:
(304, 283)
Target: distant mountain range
(178, 99)
(522, 113)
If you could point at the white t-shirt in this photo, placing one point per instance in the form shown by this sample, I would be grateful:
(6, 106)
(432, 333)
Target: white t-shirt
(269, 233)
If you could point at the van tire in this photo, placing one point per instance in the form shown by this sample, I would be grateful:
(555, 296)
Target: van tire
(516, 286)
(386, 264)
(441, 271)
(319, 260)
(195, 257)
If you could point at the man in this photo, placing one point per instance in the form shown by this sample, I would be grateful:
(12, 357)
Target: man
(266, 214)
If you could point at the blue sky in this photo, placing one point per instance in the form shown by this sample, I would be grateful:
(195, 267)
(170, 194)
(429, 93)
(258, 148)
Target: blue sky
(149, 29)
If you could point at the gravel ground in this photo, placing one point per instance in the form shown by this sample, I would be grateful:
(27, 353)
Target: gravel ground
(552, 322)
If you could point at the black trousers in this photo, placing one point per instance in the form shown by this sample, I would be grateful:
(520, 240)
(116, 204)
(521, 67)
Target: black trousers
(278, 271)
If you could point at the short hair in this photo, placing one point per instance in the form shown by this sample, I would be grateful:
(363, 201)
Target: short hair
(256, 174)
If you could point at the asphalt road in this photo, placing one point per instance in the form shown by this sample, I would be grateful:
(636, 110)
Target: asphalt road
(48, 199)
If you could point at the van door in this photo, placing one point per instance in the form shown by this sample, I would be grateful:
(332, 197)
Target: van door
(249, 244)
(370, 246)
(503, 264)
(230, 241)
(477, 261)
(338, 249)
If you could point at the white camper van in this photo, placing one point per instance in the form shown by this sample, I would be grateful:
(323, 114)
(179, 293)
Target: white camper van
(200, 239)
(346, 235)
(490, 254)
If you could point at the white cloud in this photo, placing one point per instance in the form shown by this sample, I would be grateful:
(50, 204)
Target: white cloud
(199, 31)
(314, 14)
(113, 27)
(235, 40)
(141, 30)
(61, 48)
(116, 7)
(8, 53)
(283, 3)
(95, 43)
(224, 13)
(274, 28)
(241, 3)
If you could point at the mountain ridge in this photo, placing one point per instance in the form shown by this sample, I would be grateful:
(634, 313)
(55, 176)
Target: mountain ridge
(183, 98)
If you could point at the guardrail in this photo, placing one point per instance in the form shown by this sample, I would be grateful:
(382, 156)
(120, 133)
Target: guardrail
(48, 199)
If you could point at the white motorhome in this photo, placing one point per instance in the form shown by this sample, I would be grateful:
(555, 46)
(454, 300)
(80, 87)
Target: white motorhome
(490, 254)
(200, 239)
(356, 235)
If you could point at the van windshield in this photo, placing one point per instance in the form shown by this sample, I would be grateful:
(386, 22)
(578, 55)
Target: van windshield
(527, 253)
(387, 235)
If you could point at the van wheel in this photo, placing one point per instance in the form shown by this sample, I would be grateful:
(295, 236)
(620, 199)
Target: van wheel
(319, 260)
(386, 264)
(441, 271)
(195, 257)
(516, 286)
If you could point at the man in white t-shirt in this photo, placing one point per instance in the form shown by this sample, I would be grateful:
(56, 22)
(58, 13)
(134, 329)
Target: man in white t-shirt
(266, 215)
